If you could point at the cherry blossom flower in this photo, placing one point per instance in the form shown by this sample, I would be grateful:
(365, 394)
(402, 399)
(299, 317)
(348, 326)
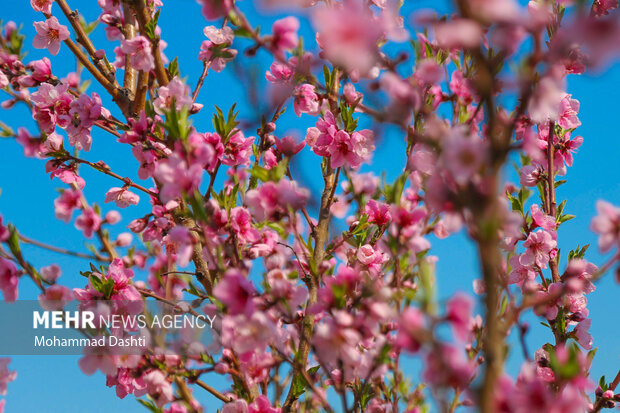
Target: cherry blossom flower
(348, 35)
(49, 35)
(9, 279)
(458, 314)
(139, 51)
(6, 375)
(284, 35)
(603, 7)
(539, 246)
(158, 387)
(43, 6)
(64, 205)
(88, 222)
(541, 219)
(458, 33)
(607, 225)
(214, 9)
(50, 273)
(216, 49)
(568, 115)
(177, 177)
(378, 212)
(122, 197)
(306, 100)
(177, 91)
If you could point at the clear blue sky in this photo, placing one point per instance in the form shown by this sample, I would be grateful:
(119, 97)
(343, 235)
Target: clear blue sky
(55, 384)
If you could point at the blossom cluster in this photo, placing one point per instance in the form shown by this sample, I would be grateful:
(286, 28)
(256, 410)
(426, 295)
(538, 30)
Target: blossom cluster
(325, 297)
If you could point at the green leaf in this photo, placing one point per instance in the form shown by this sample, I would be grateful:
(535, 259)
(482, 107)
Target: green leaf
(150, 27)
(13, 242)
(173, 67)
(149, 404)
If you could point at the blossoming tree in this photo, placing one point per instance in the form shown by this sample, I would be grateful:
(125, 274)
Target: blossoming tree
(314, 318)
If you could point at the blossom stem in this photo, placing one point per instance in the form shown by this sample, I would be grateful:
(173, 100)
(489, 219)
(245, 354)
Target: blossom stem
(201, 80)
(106, 170)
(214, 392)
(61, 250)
(553, 264)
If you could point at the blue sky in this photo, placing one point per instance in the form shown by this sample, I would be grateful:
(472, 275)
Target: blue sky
(55, 384)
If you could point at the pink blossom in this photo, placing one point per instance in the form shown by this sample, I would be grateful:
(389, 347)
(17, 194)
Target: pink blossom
(546, 102)
(139, 51)
(520, 273)
(64, 205)
(41, 69)
(352, 96)
(241, 223)
(378, 212)
(177, 91)
(122, 197)
(539, 246)
(272, 200)
(50, 273)
(237, 150)
(566, 147)
(288, 146)
(216, 48)
(6, 376)
(568, 115)
(88, 222)
(180, 241)
(158, 387)
(177, 177)
(429, 72)
(541, 219)
(306, 100)
(4, 231)
(55, 297)
(262, 405)
(43, 6)
(279, 72)
(458, 34)
(584, 338)
(607, 225)
(284, 35)
(49, 35)
(33, 147)
(461, 86)
(458, 314)
(248, 333)
(448, 367)
(348, 35)
(237, 406)
(463, 155)
(530, 175)
(84, 112)
(603, 7)
(214, 9)
(112, 217)
(9, 278)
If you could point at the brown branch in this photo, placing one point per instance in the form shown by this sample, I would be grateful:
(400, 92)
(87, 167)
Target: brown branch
(61, 250)
(321, 234)
(118, 96)
(144, 17)
(84, 40)
(142, 89)
(213, 391)
(553, 264)
(205, 72)
(129, 82)
(106, 170)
